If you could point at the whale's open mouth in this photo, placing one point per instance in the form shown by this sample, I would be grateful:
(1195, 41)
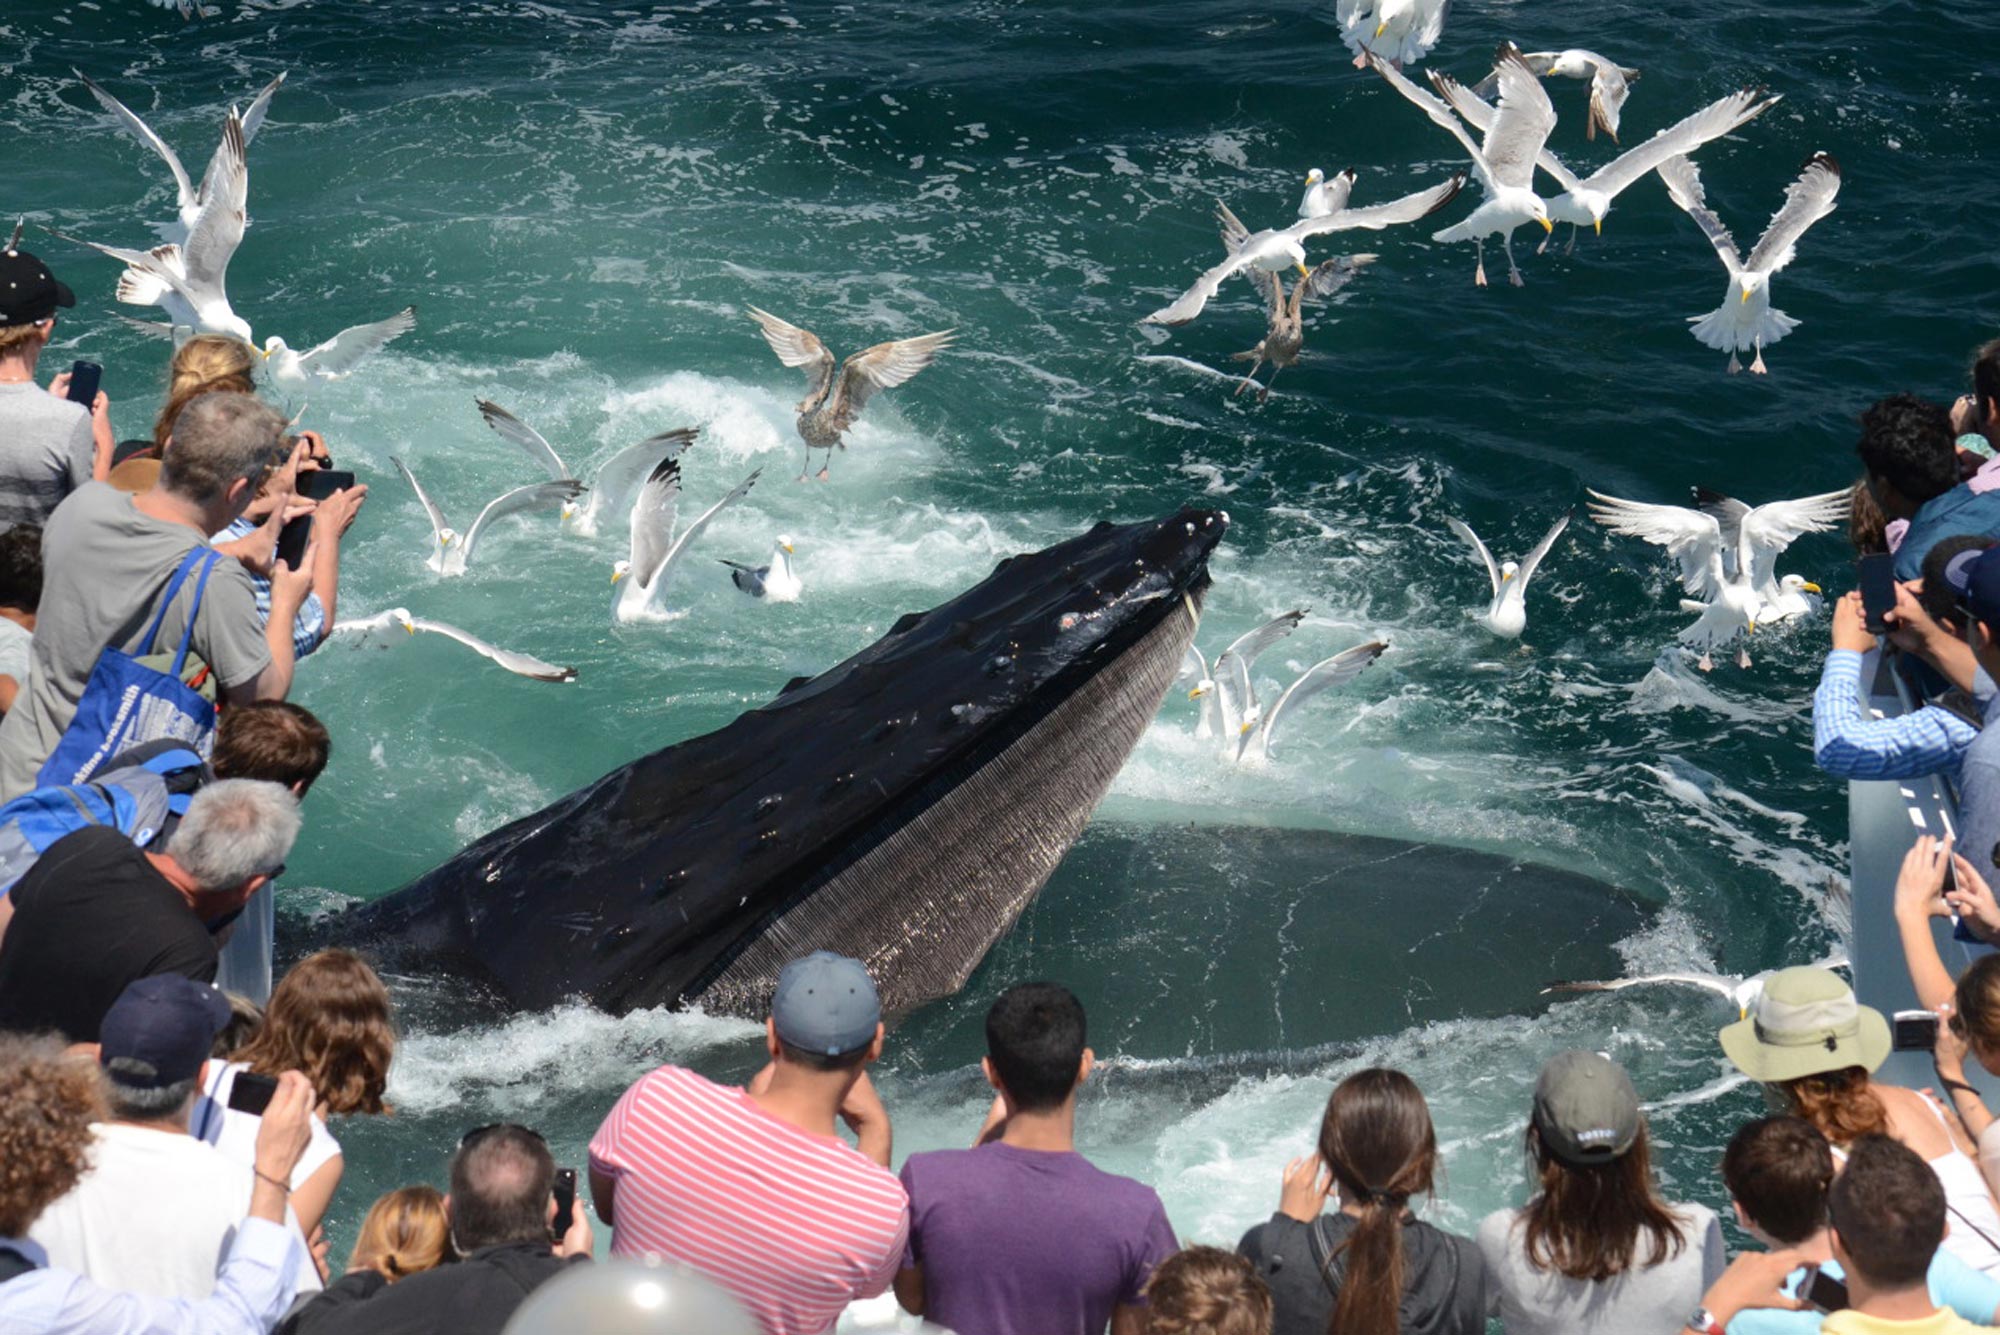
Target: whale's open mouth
(903, 807)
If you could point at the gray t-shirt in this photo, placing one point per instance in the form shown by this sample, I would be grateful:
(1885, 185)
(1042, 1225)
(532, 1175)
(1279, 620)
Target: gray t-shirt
(104, 566)
(1656, 1300)
(45, 452)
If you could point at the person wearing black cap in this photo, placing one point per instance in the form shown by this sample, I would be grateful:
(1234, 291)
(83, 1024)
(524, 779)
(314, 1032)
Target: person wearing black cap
(1596, 1251)
(157, 1206)
(48, 446)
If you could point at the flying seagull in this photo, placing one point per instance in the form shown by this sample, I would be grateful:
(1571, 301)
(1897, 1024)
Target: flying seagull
(1285, 335)
(1400, 31)
(1257, 730)
(833, 402)
(1730, 572)
(188, 197)
(616, 476)
(774, 581)
(398, 618)
(1610, 83)
(1275, 250)
(1508, 614)
(1751, 321)
(1588, 199)
(1226, 692)
(451, 552)
(336, 358)
(1504, 163)
(655, 549)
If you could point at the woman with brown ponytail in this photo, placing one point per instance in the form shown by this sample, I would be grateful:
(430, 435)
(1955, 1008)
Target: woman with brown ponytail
(1370, 1267)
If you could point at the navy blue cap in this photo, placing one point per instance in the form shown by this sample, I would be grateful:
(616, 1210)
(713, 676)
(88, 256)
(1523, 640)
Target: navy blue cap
(27, 293)
(825, 1004)
(159, 1031)
(1974, 577)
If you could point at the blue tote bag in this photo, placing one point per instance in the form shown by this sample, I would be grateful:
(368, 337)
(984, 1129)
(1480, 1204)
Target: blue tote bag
(126, 703)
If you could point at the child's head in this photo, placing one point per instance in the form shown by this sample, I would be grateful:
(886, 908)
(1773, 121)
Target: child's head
(21, 568)
(1207, 1291)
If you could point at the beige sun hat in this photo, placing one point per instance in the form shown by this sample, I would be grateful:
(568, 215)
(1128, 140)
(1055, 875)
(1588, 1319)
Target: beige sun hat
(1806, 1022)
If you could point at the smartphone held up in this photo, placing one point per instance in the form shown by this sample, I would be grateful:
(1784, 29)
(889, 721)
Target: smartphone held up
(314, 485)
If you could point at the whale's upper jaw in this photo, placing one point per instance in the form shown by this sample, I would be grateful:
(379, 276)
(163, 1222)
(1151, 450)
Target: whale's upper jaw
(903, 806)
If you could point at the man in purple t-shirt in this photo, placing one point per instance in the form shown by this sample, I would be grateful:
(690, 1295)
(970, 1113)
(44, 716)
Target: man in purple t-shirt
(1021, 1235)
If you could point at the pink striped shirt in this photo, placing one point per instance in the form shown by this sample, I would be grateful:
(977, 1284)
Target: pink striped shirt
(795, 1225)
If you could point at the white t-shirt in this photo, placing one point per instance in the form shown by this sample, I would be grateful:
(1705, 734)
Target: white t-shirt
(16, 642)
(1652, 1300)
(235, 1133)
(155, 1214)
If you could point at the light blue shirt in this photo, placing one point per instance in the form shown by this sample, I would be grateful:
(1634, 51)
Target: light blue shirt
(1953, 1284)
(309, 627)
(1850, 745)
(252, 1290)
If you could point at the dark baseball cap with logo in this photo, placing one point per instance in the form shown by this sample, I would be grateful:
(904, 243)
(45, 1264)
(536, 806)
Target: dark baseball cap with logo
(28, 292)
(159, 1031)
(1585, 1108)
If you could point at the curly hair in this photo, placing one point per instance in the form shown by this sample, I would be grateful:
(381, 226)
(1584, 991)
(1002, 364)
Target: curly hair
(48, 1099)
(330, 1018)
(203, 363)
(1840, 1103)
(1908, 442)
(1207, 1291)
(21, 567)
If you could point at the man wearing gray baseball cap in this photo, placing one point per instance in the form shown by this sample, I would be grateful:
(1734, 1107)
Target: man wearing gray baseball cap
(754, 1187)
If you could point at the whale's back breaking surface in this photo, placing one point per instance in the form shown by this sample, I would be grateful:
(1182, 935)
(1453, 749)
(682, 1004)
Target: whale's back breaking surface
(902, 807)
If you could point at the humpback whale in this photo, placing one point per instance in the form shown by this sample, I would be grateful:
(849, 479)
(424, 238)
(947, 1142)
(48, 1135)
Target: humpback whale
(902, 807)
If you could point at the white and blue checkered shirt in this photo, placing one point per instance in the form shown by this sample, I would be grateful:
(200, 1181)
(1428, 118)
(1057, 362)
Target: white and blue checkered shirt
(309, 629)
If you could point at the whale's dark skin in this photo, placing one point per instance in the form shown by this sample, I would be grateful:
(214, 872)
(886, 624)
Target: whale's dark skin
(902, 807)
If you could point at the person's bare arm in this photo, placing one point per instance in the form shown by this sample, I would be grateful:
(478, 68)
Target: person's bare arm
(289, 588)
(1919, 898)
(865, 1115)
(1913, 629)
(910, 1289)
(311, 1197)
(331, 520)
(10, 690)
(6, 914)
(603, 1193)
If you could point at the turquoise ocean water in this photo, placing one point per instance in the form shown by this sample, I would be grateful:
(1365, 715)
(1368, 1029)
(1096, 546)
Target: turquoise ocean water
(581, 198)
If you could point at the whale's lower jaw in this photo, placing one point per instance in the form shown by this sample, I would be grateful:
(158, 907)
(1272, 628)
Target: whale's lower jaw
(947, 873)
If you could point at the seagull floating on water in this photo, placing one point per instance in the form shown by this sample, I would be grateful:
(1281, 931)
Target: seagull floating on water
(1323, 196)
(1275, 250)
(616, 476)
(1751, 321)
(1728, 554)
(655, 550)
(189, 197)
(1508, 615)
(1504, 164)
(399, 618)
(450, 552)
(832, 403)
(774, 581)
(1610, 83)
(1400, 31)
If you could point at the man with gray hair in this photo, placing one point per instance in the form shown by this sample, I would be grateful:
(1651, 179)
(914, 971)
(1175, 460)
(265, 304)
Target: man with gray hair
(95, 913)
(156, 1210)
(109, 558)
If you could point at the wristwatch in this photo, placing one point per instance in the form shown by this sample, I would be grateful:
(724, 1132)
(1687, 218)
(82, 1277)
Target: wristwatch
(1704, 1322)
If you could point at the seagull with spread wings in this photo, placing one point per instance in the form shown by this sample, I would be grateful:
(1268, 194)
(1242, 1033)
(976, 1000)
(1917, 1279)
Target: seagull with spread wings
(1399, 31)
(1507, 617)
(1275, 250)
(1284, 337)
(336, 358)
(1610, 83)
(451, 552)
(1504, 162)
(655, 550)
(1728, 556)
(616, 477)
(188, 197)
(833, 402)
(1225, 691)
(1750, 321)
(1588, 199)
(373, 629)
(1258, 730)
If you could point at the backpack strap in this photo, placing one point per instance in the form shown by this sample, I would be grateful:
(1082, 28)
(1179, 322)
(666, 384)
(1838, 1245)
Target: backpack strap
(169, 591)
(194, 611)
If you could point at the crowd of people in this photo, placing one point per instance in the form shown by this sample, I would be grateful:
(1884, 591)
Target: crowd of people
(167, 1157)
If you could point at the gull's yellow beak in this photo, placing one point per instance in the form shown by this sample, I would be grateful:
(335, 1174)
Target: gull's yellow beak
(1547, 226)
(1746, 294)
(408, 629)
(1505, 578)
(1753, 627)
(1597, 226)
(789, 549)
(1244, 729)
(1303, 271)
(1811, 587)
(1381, 27)
(617, 575)
(265, 353)
(1196, 693)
